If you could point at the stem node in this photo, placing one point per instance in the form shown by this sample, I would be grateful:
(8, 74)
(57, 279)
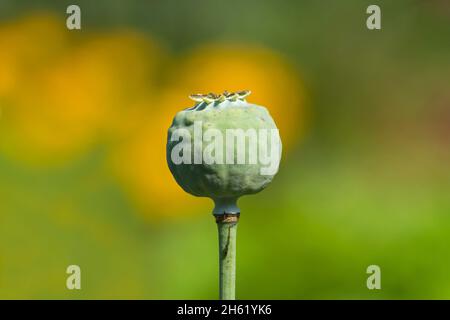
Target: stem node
(227, 227)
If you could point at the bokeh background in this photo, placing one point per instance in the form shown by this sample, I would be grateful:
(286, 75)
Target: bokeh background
(364, 117)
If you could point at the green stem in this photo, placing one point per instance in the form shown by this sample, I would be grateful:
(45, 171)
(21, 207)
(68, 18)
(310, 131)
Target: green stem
(227, 226)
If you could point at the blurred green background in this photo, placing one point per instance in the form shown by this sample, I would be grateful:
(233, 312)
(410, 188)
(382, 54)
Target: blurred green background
(364, 116)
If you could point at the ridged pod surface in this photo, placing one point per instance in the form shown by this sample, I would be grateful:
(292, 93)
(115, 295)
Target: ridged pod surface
(223, 182)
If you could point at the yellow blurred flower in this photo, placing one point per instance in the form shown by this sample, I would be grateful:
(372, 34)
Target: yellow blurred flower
(274, 82)
(77, 98)
(28, 45)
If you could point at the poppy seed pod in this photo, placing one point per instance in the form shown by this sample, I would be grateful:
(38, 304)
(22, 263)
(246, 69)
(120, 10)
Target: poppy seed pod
(223, 148)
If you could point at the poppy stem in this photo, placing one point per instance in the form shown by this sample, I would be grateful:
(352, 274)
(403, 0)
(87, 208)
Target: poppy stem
(227, 227)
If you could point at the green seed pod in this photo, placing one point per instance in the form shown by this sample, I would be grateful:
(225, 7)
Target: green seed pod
(223, 148)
